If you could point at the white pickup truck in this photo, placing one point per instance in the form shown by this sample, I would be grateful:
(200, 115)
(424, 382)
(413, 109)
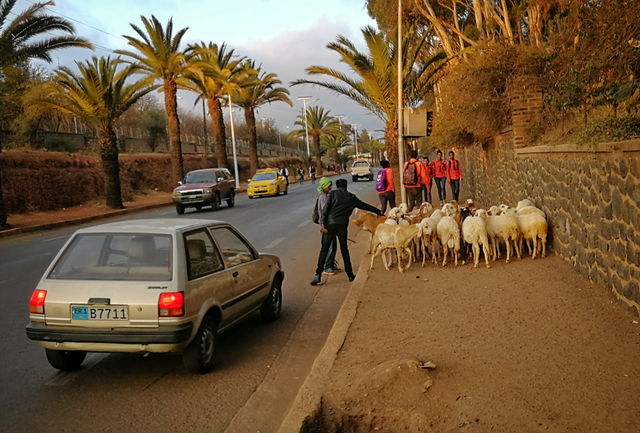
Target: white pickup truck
(360, 170)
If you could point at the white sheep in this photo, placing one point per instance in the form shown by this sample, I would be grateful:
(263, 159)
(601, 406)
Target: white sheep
(449, 235)
(474, 232)
(505, 227)
(525, 203)
(396, 237)
(429, 237)
(533, 227)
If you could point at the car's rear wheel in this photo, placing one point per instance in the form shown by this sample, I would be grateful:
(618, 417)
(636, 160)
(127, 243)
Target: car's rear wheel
(272, 306)
(65, 360)
(250, 197)
(215, 204)
(354, 178)
(278, 191)
(179, 209)
(200, 354)
(231, 201)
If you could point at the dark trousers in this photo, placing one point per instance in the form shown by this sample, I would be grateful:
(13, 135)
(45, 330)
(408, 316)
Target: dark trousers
(441, 183)
(340, 232)
(387, 197)
(426, 193)
(455, 188)
(330, 262)
(414, 198)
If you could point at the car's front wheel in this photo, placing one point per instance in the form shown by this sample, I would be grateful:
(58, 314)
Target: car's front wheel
(272, 306)
(65, 360)
(179, 209)
(278, 191)
(200, 354)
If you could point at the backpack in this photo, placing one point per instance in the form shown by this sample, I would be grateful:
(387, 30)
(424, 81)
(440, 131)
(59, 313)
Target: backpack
(315, 216)
(410, 175)
(381, 180)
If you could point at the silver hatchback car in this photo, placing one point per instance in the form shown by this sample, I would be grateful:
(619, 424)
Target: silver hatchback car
(151, 286)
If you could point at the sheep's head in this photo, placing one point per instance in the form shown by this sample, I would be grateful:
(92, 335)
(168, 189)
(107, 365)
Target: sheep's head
(524, 203)
(482, 214)
(504, 208)
(448, 209)
(403, 208)
(494, 211)
(436, 214)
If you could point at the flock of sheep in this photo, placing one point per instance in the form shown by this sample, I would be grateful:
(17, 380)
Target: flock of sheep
(457, 230)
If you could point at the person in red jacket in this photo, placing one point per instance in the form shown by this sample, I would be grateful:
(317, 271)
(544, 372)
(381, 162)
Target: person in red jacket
(428, 180)
(454, 173)
(413, 175)
(387, 195)
(440, 174)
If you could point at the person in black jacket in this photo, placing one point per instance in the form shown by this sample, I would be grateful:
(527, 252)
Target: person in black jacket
(335, 220)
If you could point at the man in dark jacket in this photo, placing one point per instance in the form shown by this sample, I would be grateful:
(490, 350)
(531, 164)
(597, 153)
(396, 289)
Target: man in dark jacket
(335, 220)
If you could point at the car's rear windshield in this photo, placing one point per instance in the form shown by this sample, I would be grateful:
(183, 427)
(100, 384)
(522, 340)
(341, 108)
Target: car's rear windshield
(203, 177)
(115, 257)
(264, 176)
(360, 163)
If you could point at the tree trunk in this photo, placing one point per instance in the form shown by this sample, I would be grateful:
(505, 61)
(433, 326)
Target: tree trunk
(219, 136)
(316, 149)
(391, 147)
(250, 119)
(3, 210)
(108, 146)
(175, 145)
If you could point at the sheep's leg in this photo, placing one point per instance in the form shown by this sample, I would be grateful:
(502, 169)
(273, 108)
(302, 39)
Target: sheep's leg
(455, 257)
(544, 245)
(424, 251)
(476, 254)
(494, 249)
(410, 254)
(486, 256)
(400, 260)
(384, 259)
(375, 254)
(531, 252)
(535, 247)
(509, 254)
(515, 247)
(446, 254)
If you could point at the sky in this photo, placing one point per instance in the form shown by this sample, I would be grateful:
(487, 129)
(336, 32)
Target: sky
(285, 36)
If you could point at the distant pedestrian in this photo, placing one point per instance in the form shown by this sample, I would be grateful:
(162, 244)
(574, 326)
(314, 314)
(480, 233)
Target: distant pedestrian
(384, 186)
(312, 173)
(454, 173)
(412, 178)
(284, 172)
(330, 264)
(301, 175)
(440, 175)
(335, 220)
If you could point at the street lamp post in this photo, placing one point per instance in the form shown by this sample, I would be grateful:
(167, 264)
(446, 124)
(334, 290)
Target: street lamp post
(355, 137)
(233, 145)
(306, 127)
(204, 129)
(403, 191)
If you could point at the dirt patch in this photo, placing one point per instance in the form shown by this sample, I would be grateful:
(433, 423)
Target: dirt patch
(528, 346)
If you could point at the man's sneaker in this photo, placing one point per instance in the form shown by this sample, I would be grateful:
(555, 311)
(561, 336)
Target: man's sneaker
(351, 278)
(329, 271)
(316, 280)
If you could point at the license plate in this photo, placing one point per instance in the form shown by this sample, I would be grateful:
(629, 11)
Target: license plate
(99, 313)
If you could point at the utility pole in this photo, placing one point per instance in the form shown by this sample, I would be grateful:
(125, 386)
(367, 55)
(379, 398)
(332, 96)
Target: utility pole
(306, 127)
(403, 191)
(204, 129)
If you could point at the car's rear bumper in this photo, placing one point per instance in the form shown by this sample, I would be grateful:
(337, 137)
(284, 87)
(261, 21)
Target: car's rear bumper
(62, 334)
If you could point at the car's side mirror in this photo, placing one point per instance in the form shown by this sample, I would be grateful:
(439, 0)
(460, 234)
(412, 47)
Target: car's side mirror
(248, 180)
(220, 179)
(179, 182)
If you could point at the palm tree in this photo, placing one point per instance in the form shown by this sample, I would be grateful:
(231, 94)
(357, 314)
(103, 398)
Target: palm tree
(374, 147)
(333, 144)
(209, 76)
(375, 85)
(99, 95)
(252, 95)
(319, 123)
(17, 46)
(159, 57)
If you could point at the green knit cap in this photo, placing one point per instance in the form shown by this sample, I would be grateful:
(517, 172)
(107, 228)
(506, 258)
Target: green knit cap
(324, 182)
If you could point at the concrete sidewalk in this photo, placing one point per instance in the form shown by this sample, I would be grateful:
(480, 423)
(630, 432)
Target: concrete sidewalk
(525, 346)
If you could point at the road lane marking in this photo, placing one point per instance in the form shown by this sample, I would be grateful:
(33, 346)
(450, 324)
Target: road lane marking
(65, 377)
(55, 239)
(304, 223)
(274, 243)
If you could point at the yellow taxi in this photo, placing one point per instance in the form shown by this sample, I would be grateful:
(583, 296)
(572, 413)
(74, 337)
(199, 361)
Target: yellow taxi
(267, 182)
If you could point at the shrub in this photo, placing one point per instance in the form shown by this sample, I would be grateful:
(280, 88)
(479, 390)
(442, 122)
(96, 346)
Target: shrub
(610, 129)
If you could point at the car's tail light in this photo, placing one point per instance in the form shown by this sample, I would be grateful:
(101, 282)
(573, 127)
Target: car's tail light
(36, 303)
(171, 304)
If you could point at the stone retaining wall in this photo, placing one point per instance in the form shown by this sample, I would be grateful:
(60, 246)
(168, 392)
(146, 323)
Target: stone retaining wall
(591, 197)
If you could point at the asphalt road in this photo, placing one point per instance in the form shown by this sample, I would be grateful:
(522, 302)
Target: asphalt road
(260, 365)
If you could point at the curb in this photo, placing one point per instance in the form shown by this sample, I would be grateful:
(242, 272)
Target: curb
(60, 224)
(309, 398)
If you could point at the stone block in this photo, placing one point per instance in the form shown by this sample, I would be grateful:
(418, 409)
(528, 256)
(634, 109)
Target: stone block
(622, 269)
(605, 230)
(634, 167)
(623, 167)
(590, 257)
(635, 194)
(631, 291)
(593, 273)
(616, 203)
(605, 191)
(620, 249)
(582, 255)
(609, 260)
(608, 212)
(616, 282)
